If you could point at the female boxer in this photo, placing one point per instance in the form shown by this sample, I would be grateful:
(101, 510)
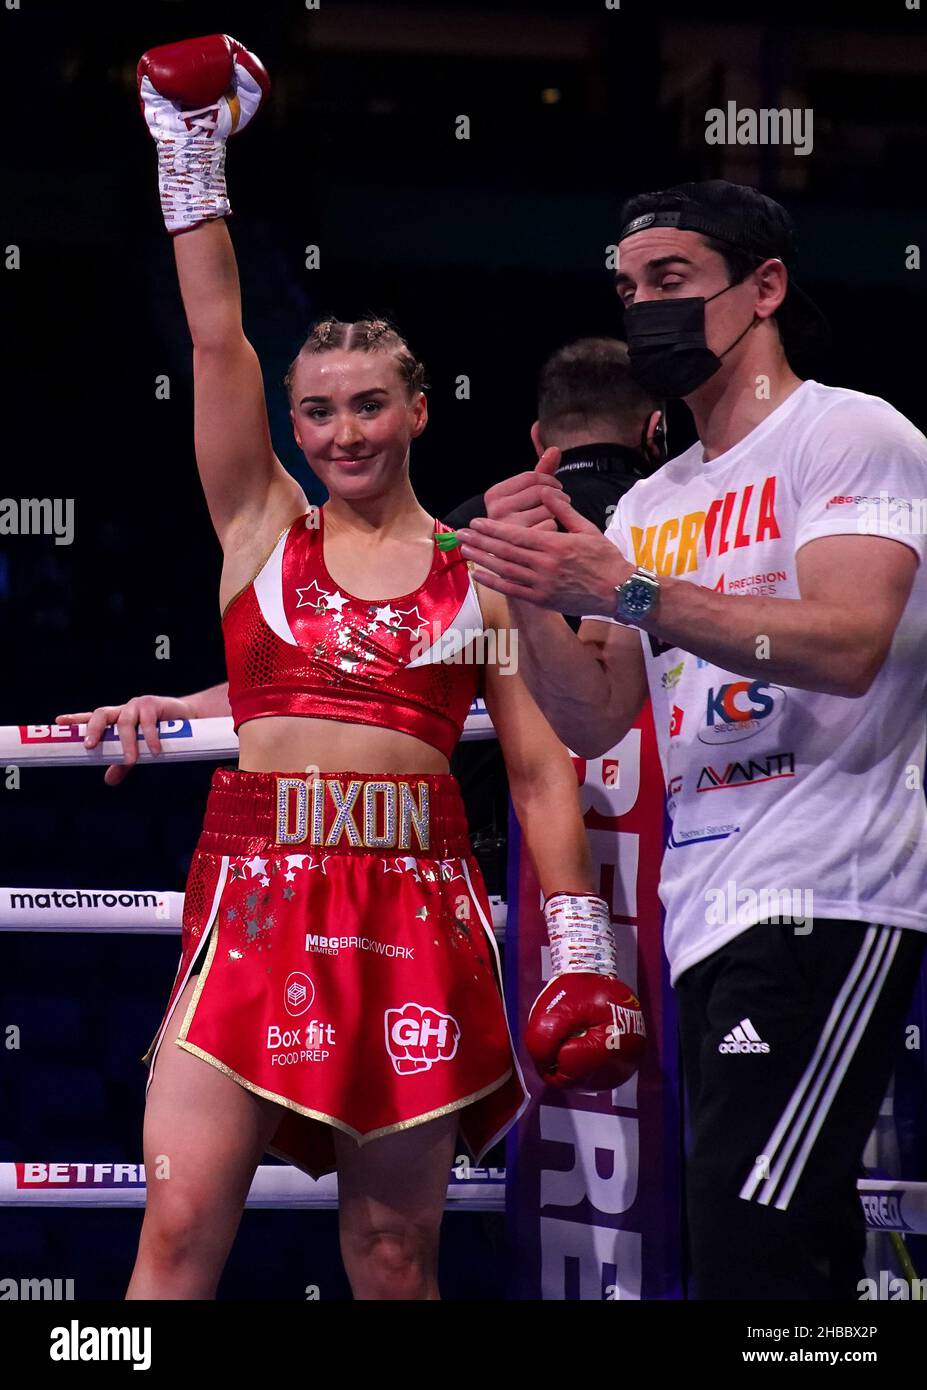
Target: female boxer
(337, 1001)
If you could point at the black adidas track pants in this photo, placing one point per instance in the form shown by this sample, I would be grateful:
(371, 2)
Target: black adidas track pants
(788, 1040)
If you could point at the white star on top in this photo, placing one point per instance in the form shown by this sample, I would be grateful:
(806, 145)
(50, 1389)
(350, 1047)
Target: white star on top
(308, 598)
(386, 613)
(412, 625)
(312, 596)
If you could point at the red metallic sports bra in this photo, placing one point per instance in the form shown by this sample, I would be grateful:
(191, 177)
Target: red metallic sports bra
(297, 644)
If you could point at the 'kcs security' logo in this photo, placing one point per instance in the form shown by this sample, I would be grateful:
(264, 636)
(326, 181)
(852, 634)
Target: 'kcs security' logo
(740, 709)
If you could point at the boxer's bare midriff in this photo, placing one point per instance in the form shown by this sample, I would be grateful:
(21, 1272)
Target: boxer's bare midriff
(290, 744)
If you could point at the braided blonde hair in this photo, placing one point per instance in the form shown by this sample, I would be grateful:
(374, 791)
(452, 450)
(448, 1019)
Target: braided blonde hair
(363, 335)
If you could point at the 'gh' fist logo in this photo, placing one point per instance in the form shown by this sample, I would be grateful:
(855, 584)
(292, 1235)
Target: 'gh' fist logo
(418, 1036)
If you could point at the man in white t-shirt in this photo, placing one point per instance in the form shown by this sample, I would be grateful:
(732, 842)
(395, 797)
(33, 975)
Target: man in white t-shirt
(774, 575)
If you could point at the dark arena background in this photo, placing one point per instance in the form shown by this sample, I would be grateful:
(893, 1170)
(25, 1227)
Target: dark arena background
(489, 252)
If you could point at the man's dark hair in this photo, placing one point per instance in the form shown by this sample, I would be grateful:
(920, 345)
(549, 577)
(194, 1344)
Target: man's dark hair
(592, 379)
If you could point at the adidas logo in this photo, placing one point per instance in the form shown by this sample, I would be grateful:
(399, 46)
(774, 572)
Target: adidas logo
(743, 1038)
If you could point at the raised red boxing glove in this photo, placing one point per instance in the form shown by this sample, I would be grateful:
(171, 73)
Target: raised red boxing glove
(586, 1028)
(194, 95)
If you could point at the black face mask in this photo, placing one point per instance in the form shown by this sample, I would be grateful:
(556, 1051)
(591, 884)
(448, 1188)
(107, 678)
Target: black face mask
(666, 343)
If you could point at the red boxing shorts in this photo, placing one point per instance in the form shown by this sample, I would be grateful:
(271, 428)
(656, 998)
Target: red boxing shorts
(347, 965)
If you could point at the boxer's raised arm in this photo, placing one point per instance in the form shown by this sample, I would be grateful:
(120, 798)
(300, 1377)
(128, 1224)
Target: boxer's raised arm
(194, 95)
(242, 477)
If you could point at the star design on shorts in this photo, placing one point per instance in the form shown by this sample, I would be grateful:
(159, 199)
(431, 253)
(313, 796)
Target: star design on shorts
(403, 864)
(238, 871)
(251, 927)
(289, 894)
(319, 863)
(251, 901)
(265, 882)
(422, 914)
(232, 914)
(450, 871)
(257, 866)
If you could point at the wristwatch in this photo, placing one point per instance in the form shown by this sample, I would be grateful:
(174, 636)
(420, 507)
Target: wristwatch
(637, 596)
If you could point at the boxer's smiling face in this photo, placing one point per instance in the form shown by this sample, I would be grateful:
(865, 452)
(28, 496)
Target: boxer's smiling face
(354, 420)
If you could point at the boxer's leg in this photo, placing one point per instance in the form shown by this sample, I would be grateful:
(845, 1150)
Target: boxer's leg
(777, 1135)
(391, 1195)
(203, 1139)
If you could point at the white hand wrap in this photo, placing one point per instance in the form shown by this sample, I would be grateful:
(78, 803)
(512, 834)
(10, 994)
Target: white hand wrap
(581, 935)
(191, 149)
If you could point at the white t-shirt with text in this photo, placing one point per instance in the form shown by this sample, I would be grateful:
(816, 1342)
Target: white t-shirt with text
(787, 802)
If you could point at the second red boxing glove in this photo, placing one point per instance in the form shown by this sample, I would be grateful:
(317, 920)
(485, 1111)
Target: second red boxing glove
(586, 1028)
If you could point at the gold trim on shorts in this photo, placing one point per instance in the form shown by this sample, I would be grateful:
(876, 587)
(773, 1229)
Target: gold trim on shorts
(286, 1103)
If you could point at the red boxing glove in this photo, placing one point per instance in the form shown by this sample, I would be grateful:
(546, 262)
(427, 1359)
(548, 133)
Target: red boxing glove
(587, 1031)
(194, 95)
(585, 1028)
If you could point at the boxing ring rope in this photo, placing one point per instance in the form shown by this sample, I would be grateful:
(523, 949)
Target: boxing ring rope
(887, 1205)
(182, 740)
(50, 1184)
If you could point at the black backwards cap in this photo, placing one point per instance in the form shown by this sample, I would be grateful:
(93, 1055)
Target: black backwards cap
(743, 218)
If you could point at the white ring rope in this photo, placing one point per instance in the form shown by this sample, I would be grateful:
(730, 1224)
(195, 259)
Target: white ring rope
(49, 1184)
(116, 910)
(887, 1205)
(182, 740)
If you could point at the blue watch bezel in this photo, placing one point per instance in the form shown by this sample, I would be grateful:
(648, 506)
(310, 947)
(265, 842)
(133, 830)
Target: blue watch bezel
(637, 596)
